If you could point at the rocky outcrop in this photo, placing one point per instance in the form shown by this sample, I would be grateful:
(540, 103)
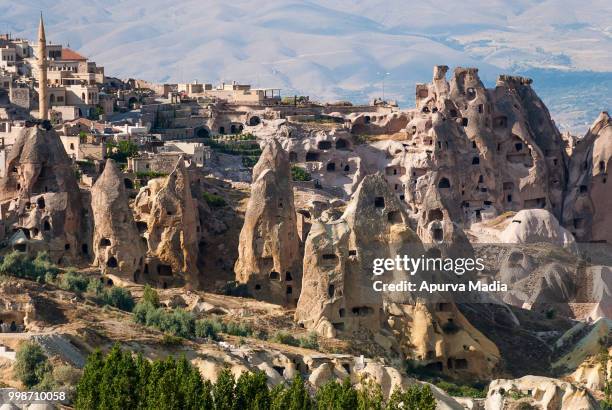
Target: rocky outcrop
(439, 338)
(581, 342)
(543, 392)
(536, 226)
(592, 372)
(337, 288)
(269, 260)
(170, 214)
(117, 246)
(41, 200)
(339, 294)
(586, 212)
(316, 369)
(329, 156)
(486, 151)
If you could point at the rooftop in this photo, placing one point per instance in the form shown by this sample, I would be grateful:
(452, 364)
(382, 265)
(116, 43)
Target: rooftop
(69, 54)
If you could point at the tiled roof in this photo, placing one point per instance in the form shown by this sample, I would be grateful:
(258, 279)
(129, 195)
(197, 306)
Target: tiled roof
(68, 54)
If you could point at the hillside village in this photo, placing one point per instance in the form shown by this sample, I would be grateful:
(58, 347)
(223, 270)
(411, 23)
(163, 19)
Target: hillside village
(240, 205)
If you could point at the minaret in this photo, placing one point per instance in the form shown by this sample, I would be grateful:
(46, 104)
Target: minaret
(43, 108)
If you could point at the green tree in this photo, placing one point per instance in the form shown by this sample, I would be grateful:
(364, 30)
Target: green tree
(88, 388)
(370, 396)
(337, 396)
(414, 398)
(223, 391)
(31, 364)
(251, 392)
(163, 386)
(122, 151)
(194, 393)
(295, 397)
(119, 381)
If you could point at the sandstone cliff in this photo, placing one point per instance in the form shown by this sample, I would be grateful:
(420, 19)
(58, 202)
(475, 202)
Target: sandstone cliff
(42, 199)
(269, 257)
(170, 214)
(118, 248)
(586, 211)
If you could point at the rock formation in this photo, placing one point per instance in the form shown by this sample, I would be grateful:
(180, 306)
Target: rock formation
(41, 200)
(116, 243)
(337, 288)
(170, 214)
(439, 338)
(269, 259)
(457, 139)
(543, 392)
(536, 226)
(586, 211)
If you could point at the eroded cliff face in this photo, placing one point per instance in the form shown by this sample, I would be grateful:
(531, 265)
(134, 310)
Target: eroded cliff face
(486, 150)
(41, 199)
(440, 338)
(269, 259)
(586, 211)
(337, 288)
(338, 295)
(169, 211)
(117, 245)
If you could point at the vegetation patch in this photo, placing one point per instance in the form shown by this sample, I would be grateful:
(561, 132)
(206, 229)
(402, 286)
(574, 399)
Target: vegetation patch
(300, 174)
(214, 200)
(121, 380)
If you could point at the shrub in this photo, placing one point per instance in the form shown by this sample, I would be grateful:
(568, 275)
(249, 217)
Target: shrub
(31, 364)
(176, 322)
(207, 329)
(213, 200)
(95, 287)
(150, 174)
(64, 378)
(73, 281)
(150, 295)
(238, 329)
(122, 151)
(19, 265)
(285, 338)
(415, 397)
(300, 174)
(462, 390)
(310, 341)
(119, 298)
(171, 340)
